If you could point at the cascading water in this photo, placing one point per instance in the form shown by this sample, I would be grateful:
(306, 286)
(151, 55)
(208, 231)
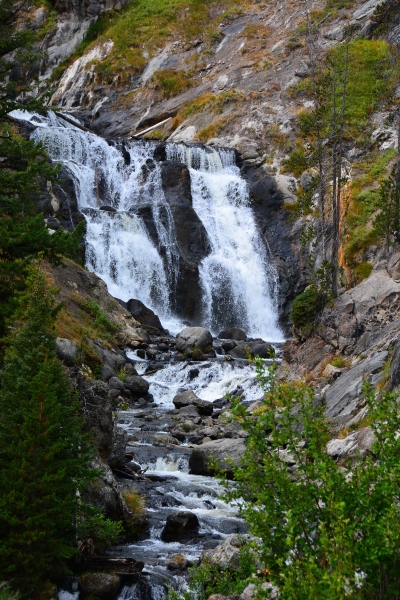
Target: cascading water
(118, 246)
(238, 281)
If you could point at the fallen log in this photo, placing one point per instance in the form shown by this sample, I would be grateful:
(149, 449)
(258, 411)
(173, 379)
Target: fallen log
(125, 566)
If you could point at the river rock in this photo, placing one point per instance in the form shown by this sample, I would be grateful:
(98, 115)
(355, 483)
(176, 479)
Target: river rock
(233, 333)
(101, 585)
(252, 591)
(242, 350)
(261, 349)
(180, 527)
(193, 338)
(223, 451)
(67, 351)
(189, 398)
(137, 385)
(178, 563)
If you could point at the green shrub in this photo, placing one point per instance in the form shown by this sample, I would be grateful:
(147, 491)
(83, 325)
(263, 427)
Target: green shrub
(305, 308)
(363, 271)
(91, 523)
(326, 532)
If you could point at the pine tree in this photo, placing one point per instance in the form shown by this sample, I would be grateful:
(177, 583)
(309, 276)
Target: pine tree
(43, 453)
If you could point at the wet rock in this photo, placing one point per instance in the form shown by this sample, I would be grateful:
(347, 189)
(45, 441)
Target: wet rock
(136, 385)
(261, 349)
(242, 351)
(233, 431)
(105, 494)
(130, 369)
(193, 338)
(189, 398)
(344, 396)
(228, 346)
(233, 333)
(180, 527)
(67, 351)
(101, 585)
(178, 563)
(222, 451)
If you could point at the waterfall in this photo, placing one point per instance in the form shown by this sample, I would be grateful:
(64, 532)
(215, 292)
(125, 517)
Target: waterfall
(238, 280)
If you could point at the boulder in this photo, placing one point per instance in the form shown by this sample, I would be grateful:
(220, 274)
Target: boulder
(223, 451)
(261, 348)
(116, 384)
(226, 554)
(100, 585)
(192, 338)
(343, 396)
(242, 350)
(136, 385)
(359, 441)
(144, 315)
(178, 563)
(67, 351)
(189, 398)
(233, 333)
(180, 527)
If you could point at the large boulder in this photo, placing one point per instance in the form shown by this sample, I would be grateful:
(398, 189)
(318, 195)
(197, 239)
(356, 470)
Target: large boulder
(243, 350)
(224, 451)
(189, 398)
(144, 315)
(192, 338)
(226, 555)
(67, 351)
(180, 527)
(119, 442)
(137, 385)
(343, 397)
(233, 333)
(100, 585)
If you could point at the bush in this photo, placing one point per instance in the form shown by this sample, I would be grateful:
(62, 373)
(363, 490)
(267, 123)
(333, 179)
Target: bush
(91, 523)
(328, 530)
(305, 308)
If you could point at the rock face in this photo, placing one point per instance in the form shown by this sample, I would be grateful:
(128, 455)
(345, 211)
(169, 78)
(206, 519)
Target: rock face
(100, 585)
(189, 398)
(344, 397)
(180, 527)
(358, 442)
(193, 338)
(223, 451)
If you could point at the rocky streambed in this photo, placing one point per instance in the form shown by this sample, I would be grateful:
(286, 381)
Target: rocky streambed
(171, 415)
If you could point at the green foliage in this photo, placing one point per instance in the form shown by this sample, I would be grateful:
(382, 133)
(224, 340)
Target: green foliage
(387, 222)
(339, 362)
(326, 532)
(43, 453)
(308, 305)
(197, 354)
(6, 593)
(91, 523)
(305, 308)
(172, 82)
(101, 320)
(297, 162)
(363, 271)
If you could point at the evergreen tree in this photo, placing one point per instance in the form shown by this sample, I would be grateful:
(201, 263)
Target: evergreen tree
(43, 453)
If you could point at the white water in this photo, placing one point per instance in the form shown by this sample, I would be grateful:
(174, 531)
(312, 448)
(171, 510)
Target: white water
(238, 280)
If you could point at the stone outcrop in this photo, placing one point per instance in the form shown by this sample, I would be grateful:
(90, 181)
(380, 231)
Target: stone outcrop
(194, 338)
(180, 527)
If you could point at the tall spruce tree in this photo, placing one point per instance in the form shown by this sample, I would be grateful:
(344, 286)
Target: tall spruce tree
(43, 453)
